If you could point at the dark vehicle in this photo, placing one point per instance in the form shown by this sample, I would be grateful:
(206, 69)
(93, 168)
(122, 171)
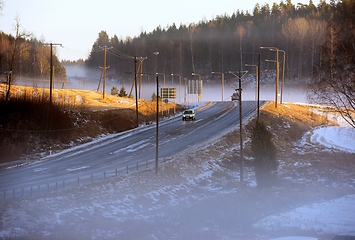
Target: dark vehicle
(235, 96)
(188, 114)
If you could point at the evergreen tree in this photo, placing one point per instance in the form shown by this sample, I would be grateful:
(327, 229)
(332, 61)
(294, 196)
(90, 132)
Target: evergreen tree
(264, 154)
(114, 91)
(122, 92)
(154, 96)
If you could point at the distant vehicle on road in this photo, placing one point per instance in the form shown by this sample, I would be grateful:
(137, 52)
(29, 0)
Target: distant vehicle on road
(235, 96)
(188, 114)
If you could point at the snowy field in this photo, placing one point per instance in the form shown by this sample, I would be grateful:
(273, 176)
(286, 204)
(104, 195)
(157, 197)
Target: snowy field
(197, 195)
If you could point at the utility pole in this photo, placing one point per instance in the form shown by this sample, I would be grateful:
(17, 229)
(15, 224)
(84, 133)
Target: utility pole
(258, 83)
(241, 127)
(277, 77)
(104, 72)
(156, 128)
(135, 83)
(240, 76)
(141, 59)
(51, 71)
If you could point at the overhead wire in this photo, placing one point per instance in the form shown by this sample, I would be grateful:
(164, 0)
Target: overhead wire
(72, 52)
(119, 54)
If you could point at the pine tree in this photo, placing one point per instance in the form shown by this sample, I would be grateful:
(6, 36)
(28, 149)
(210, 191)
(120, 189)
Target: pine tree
(114, 91)
(154, 96)
(122, 92)
(264, 153)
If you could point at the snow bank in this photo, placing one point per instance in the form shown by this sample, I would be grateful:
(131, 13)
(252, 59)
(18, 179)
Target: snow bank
(327, 217)
(341, 138)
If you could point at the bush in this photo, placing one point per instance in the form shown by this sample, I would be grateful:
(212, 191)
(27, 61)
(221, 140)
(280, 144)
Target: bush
(114, 91)
(264, 154)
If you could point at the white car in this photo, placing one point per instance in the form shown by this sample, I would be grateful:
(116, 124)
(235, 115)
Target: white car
(188, 114)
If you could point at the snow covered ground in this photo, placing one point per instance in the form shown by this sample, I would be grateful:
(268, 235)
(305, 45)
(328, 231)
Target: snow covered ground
(197, 195)
(335, 216)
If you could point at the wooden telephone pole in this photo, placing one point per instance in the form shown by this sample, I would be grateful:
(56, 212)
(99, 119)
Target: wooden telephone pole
(51, 71)
(104, 72)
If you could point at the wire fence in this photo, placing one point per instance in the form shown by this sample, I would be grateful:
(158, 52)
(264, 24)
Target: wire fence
(75, 182)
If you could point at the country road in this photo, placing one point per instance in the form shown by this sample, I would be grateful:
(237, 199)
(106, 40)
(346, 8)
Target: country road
(134, 147)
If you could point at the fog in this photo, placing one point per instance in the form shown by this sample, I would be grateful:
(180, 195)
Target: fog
(88, 79)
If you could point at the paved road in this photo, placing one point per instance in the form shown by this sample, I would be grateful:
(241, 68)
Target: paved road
(128, 149)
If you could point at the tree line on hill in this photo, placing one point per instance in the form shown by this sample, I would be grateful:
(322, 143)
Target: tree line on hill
(318, 42)
(23, 54)
(215, 45)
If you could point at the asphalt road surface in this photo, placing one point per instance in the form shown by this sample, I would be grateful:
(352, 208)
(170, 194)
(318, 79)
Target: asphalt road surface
(127, 149)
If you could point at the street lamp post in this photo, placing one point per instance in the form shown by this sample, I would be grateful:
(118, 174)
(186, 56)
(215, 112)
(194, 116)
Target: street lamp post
(163, 76)
(277, 70)
(148, 77)
(283, 74)
(222, 83)
(196, 74)
(185, 90)
(173, 74)
(162, 111)
(257, 74)
(199, 78)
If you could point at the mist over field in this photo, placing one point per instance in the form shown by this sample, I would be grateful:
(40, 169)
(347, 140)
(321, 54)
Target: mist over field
(83, 78)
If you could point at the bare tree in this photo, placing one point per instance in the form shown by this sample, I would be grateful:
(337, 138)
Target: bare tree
(192, 30)
(297, 30)
(316, 34)
(170, 47)
(210, 38)
(335, 83)
(16, 49)
(42, 60)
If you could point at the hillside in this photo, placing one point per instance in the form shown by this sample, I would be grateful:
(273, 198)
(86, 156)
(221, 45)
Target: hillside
(198, 195)
(30, 126)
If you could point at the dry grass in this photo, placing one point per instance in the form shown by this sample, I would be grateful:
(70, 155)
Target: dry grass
(29, 125)
(289, 122)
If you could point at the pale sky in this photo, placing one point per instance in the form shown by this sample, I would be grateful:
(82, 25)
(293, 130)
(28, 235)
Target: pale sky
(76, 23)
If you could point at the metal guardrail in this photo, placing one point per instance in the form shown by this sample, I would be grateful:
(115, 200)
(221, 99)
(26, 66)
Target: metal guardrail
(74, 182)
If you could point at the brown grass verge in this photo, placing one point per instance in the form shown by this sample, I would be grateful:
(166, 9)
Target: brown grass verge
(30, 125)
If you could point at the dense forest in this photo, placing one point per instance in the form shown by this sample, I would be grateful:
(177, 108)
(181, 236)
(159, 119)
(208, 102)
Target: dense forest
(225, 43)
(216, 45)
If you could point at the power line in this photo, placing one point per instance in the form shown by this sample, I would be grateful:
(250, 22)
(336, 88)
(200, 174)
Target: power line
(73, 52)
(120, 54)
